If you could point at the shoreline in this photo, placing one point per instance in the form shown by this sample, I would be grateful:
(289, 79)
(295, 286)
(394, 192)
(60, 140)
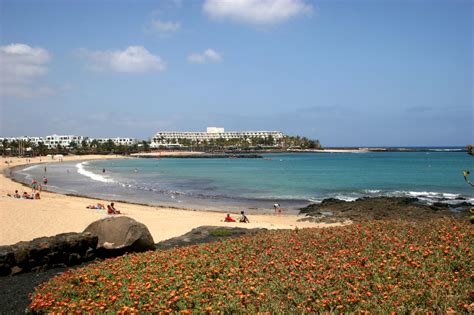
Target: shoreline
(54, 213)
(199, 205)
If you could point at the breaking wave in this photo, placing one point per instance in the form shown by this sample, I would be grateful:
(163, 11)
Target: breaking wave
(81, 170)
(426, 197)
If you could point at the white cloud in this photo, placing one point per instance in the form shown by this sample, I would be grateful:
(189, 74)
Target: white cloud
(134, 59)
(207, 56)
(256, 11)
(162, 27)
(21, 66)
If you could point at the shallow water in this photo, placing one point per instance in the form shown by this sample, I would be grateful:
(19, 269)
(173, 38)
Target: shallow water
(293, 180)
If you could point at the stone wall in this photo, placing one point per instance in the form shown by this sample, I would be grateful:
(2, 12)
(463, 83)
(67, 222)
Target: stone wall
(43, 253)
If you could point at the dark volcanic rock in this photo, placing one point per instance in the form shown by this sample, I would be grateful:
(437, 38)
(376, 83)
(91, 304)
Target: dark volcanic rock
(206, 234)
(380, 208)
(47, 252)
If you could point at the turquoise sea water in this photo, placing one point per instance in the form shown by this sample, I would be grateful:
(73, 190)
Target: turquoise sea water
(290, 179)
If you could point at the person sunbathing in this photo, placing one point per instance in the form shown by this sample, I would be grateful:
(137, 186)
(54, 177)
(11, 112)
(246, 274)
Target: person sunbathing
(97, 206)
(16, 195)
(228, 218)
(111, 209)
(37, 195)
(26, 195)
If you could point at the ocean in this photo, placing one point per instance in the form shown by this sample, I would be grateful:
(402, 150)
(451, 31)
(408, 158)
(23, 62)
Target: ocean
(293, 180)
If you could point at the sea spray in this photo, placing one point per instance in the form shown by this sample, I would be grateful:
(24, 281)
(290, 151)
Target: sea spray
(81, 170)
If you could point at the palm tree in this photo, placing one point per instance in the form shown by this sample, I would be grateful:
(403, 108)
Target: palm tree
(95, 145)
(32, 146)
(14, 146)
(5, 145)
(42, 148)
(146, 146)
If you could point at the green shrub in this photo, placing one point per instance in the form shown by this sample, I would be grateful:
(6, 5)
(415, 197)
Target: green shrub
(375, 266)
(220, 232)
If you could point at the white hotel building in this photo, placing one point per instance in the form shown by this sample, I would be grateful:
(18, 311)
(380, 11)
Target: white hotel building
(50, 141)
(117, 141)
(212, 133)
(66, 140)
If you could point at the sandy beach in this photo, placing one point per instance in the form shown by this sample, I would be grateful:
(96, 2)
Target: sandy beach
(23, 220)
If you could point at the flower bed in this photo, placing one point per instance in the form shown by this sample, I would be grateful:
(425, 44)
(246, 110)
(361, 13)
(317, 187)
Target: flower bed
(376, 266)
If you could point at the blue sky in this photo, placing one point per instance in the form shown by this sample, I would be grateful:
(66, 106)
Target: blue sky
(349, 73)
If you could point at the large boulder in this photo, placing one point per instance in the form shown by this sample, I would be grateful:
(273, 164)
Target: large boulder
(118, 235)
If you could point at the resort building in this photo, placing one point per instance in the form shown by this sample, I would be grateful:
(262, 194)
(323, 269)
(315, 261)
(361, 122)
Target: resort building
(65, 141)
(49, 141)
(35, 140)
(116, 141)
(164, 138)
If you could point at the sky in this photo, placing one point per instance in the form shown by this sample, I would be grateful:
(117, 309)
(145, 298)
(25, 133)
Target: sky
(349, 73)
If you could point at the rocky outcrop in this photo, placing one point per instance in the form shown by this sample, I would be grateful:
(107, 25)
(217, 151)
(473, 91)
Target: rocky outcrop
(118, 235)
(206, 234)
(43, 253)
(381, 208)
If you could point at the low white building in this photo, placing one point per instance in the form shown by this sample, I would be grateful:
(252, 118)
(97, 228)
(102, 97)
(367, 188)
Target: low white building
(34, 140)
(63, 140)
(163, 138)
(116, 141)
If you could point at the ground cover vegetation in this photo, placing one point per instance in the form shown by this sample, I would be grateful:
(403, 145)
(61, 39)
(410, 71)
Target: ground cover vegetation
(29, 148)
(379, 267)
(245, 143)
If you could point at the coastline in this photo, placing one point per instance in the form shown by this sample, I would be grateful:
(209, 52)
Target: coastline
(54, 213)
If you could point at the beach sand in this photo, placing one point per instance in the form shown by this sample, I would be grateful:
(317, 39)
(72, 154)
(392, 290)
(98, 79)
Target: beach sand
(23, 220)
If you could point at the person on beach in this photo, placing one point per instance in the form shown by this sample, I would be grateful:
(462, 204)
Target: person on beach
(26, 195)
(97, 206)
(277, 208)
(111, 209)
(16, 195)
(45, 180)
(34, 186)
(228, 218)
(243, 218)
(37, 195)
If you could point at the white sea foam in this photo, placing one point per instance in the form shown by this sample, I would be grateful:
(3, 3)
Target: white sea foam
(446, 150)
(427, 197)
(81, 170)
(429, 194)
(29, 168)
(346, 198)
(372, 191)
